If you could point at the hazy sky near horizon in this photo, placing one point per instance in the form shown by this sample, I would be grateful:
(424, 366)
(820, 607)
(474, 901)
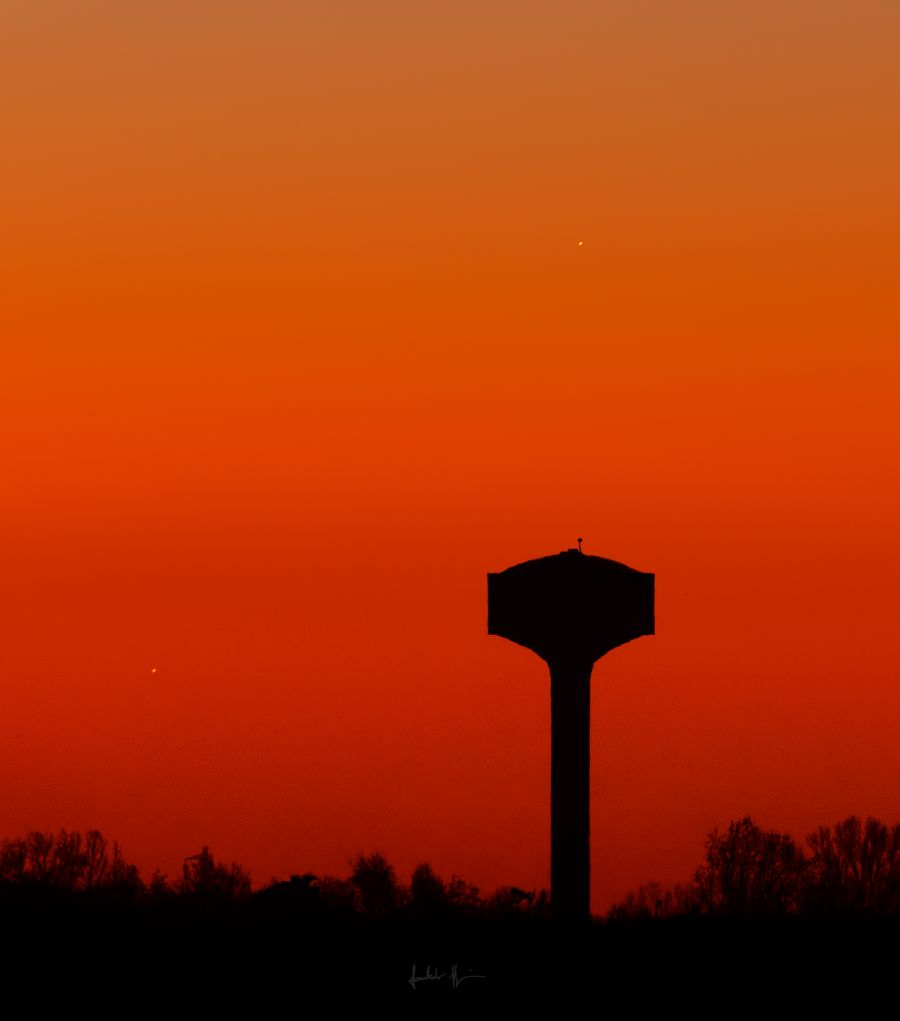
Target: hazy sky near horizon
(313, 313)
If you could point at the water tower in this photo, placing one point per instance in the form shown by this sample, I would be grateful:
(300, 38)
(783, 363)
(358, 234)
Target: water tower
(570, 609)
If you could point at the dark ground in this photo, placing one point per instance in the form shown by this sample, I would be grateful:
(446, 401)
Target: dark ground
(243, 961)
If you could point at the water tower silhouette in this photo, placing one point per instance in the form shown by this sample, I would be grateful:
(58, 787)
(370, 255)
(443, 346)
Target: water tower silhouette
(570, 609)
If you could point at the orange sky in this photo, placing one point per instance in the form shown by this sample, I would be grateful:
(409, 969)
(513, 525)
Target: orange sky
(299, 342)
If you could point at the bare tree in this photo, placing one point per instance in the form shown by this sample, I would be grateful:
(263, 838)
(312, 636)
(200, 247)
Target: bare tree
(13, 860)
(376, 883)
(428, 892)
(65, 860)
(656, 900)
(749, 870)
(855, 867)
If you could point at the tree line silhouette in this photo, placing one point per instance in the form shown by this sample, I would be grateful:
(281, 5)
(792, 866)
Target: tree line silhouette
(851, 868)
(75, 868)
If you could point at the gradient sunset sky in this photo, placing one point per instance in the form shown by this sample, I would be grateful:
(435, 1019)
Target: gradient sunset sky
(315, 312)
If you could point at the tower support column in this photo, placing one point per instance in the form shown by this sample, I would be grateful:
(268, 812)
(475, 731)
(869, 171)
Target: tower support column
(570, 788)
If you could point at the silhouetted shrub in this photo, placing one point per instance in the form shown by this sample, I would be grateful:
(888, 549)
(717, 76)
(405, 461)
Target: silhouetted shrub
(339, 896)
(464, 898)
(510, 900)
(654, 900)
